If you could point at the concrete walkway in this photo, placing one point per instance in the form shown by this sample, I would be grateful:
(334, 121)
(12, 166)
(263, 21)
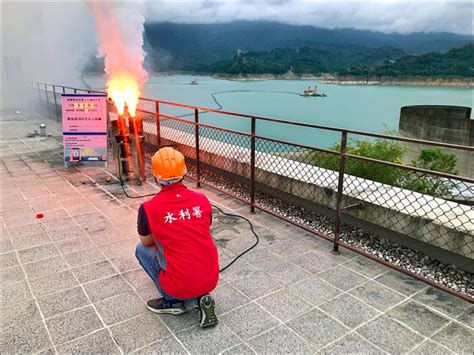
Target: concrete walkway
(70, 281)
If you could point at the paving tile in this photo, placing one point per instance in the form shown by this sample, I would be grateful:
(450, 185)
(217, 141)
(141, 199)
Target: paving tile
(74, 324)
(84, 257)
(26, 230)
(314, 262)
(349, 310)
(183, 321)
(73, 245)
(256, 286)
(28, 339)
(290, 249)
(93, 272)
(317, 327)
(241, 349)
(17, 316)
(366, 266)
(467, 317)
(342, 278)
(351, 344)
(138, 332)
(314, 290)
(35, 254)
(96, 343)
(456, 337)
(11, 275)
(418, 317)
(138, 279)
(442, 301)
(431, 348)
(125, 263)
(280, 340)
(30, 241)
(66, 233)
(8, 260)
(263, 259)
(228, 298)
(6, 245)
(106, 237)
(53, 283)
(402, 283)
(59, 223)
(249, 320)
(238, 270)
(105, 288)
(14, 293)
(45, 267)
(62, 301)
(167, 345)
(284, 305)
(376, 295)
(287, 273)
(390, 335)
(119, 308)
(207, 341)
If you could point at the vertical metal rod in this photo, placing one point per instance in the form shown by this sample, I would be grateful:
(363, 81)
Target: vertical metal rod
(47, 100)
(340, 187)
(252, 164)
(137, 125)
(196, 134)
(75, 91)
(55, 103)
(157, 114)
(39, 98)
(64, 90)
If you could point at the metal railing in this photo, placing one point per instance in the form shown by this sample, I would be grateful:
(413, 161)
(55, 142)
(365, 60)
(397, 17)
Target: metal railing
(312, 187)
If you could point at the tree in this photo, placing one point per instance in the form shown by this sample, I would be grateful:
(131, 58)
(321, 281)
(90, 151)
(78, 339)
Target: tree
(436, 160)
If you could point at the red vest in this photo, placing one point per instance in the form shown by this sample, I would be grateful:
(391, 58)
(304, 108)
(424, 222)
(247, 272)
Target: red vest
(180, 222)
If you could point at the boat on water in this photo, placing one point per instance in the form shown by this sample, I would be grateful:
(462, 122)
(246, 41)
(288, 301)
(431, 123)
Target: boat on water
(312, 92)
(194, 82)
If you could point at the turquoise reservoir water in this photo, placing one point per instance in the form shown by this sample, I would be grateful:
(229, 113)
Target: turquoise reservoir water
(368, 108)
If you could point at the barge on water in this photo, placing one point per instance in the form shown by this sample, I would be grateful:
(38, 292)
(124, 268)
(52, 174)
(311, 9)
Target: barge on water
(312, 93)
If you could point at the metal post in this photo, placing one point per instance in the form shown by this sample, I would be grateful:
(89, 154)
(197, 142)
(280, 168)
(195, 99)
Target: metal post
(75, 91)
(252, 164)
(55, 103)
(196, 134)
(47, 101)
(39, 98)
(157, 114)
(64, 90)
(340, 186)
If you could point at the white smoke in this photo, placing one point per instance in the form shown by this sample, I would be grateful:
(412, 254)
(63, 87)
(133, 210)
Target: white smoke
(44, 41)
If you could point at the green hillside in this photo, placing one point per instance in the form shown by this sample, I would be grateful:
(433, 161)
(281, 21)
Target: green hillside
(313, 60)
(457, 62)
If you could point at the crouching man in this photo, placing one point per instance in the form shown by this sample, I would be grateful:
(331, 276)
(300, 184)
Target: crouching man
(176, 247)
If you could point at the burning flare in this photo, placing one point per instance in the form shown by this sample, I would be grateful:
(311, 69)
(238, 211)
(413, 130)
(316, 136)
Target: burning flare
(123, 89)
(120, 29)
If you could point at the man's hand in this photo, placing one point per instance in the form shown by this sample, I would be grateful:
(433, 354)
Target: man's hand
(147, 240)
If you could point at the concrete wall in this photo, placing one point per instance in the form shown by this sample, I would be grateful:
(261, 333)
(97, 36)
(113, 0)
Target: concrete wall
(418, 220)
(447, 124)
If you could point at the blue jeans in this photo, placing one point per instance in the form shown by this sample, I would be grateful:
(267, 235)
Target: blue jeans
(147, 257)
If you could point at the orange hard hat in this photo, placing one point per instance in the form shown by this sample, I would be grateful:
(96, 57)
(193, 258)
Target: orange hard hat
(168, 164)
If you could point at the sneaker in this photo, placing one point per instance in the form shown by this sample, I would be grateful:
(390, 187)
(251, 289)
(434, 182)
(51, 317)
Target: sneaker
(207, 306)
(160, 305)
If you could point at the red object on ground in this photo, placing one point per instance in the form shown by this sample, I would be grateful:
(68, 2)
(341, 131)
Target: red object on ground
(39, 215)
(180, 220)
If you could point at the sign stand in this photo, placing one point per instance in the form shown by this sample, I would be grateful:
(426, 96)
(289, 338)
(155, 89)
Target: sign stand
(84, 128)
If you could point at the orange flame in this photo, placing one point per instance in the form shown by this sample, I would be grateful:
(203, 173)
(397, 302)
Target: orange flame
(123, 89)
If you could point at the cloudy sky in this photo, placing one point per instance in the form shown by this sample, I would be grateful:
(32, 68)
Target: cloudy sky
(386, 16)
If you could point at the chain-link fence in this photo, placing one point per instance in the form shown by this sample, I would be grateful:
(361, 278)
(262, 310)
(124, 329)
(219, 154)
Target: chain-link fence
(362, 182)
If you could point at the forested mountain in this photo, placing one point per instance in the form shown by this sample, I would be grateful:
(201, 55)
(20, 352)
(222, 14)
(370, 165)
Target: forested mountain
(457, 62)
(188, 47)
(313, 60)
